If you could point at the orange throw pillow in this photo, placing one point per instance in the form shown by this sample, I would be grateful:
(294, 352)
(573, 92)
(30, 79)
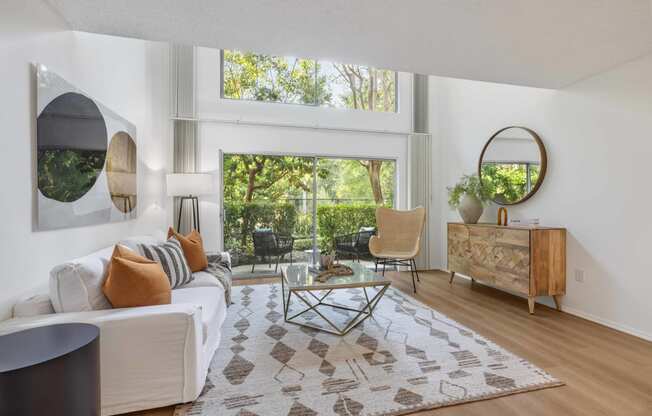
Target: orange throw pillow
(193, 248)
(133, 280)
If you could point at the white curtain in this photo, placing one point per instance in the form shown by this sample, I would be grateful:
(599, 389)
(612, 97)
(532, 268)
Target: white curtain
(186, 148)
(420, 187)
(182, 78)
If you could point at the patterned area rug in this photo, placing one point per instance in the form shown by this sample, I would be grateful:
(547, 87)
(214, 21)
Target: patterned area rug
(408, 357)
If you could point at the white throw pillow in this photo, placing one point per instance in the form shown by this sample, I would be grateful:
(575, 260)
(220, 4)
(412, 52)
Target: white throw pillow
(76, 285)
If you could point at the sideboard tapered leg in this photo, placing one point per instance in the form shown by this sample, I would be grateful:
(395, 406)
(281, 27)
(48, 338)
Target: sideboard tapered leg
(557, 304)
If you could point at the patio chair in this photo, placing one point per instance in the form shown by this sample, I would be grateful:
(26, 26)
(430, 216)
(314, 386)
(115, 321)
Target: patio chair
(354, 245)
(268, 244)
(399, 235)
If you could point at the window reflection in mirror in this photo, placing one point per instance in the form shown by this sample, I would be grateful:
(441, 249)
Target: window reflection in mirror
(511, 165)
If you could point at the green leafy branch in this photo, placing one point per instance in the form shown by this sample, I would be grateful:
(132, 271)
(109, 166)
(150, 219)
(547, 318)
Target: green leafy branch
(469, 185)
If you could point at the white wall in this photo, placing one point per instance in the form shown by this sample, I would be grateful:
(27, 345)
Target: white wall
(275, 137)
(597, 134)
(130, 77)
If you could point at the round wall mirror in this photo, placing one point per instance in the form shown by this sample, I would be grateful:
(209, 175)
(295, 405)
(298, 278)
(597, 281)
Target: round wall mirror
(513, 164)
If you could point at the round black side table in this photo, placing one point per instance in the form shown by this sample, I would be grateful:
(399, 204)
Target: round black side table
(51, 370)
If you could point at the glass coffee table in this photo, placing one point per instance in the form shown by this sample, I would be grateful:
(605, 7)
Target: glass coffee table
(299, 282)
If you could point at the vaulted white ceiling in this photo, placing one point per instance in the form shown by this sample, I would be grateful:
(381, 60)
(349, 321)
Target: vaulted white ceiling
(550, 43)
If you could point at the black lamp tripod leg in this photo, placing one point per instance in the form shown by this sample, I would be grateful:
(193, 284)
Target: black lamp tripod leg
(196, 213)
(180, 213)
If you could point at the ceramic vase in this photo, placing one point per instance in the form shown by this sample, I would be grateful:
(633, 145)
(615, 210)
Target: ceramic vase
(470, 209)
(325, 261)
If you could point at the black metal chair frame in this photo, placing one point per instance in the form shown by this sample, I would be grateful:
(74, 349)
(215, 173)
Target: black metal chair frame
(282, 245)
(401, 262)
(349, 244)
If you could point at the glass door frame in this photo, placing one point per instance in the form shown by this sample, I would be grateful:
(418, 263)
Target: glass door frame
(315, 157)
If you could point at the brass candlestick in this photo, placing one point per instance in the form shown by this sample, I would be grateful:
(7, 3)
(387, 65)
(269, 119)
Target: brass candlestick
(502, 216)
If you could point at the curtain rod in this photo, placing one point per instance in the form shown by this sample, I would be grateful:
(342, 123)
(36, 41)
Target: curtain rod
(293, 125)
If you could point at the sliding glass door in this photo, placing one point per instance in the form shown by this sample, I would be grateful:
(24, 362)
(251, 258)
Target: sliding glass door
(348, 192)
(285, 208)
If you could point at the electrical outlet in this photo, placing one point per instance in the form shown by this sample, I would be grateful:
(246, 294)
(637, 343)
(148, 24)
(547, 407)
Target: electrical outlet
(579, 275)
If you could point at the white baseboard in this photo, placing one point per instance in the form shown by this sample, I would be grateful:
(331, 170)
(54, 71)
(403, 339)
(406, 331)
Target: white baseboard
(605, 322)
(584, 315)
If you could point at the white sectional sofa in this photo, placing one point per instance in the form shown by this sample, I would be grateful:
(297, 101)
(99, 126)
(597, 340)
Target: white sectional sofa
(149, 356)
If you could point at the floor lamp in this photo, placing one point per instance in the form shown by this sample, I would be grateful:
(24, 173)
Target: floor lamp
(188, 187)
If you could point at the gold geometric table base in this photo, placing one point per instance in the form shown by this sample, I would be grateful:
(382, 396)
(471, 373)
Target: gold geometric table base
(362, 314)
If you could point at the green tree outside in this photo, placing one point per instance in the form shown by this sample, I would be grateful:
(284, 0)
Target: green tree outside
(509, 182)
(258, 77)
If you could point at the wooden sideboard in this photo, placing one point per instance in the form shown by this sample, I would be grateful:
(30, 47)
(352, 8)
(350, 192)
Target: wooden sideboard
(528, 261)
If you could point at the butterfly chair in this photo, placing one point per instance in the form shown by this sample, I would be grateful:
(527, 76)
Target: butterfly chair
(398, 238)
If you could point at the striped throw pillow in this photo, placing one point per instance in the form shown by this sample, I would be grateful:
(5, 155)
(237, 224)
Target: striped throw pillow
(170, 255)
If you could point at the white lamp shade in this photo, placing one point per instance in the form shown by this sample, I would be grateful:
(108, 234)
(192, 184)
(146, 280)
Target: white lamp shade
(185, 184)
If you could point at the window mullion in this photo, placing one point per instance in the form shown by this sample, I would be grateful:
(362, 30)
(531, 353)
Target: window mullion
(316, 83)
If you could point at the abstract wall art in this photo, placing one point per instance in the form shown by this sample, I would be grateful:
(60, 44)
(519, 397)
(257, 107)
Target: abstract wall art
(87, 160)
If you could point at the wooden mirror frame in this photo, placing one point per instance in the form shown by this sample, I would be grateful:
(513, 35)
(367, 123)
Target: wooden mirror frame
(542, 171)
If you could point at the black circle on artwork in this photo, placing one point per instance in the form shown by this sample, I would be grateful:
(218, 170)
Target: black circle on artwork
(71, 141)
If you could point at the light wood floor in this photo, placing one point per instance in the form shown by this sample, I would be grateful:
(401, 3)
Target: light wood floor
(606, 372)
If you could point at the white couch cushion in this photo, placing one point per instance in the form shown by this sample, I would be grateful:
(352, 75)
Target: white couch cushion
(76, 286)
(202, 279)
(33, 305)
(209, 299)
